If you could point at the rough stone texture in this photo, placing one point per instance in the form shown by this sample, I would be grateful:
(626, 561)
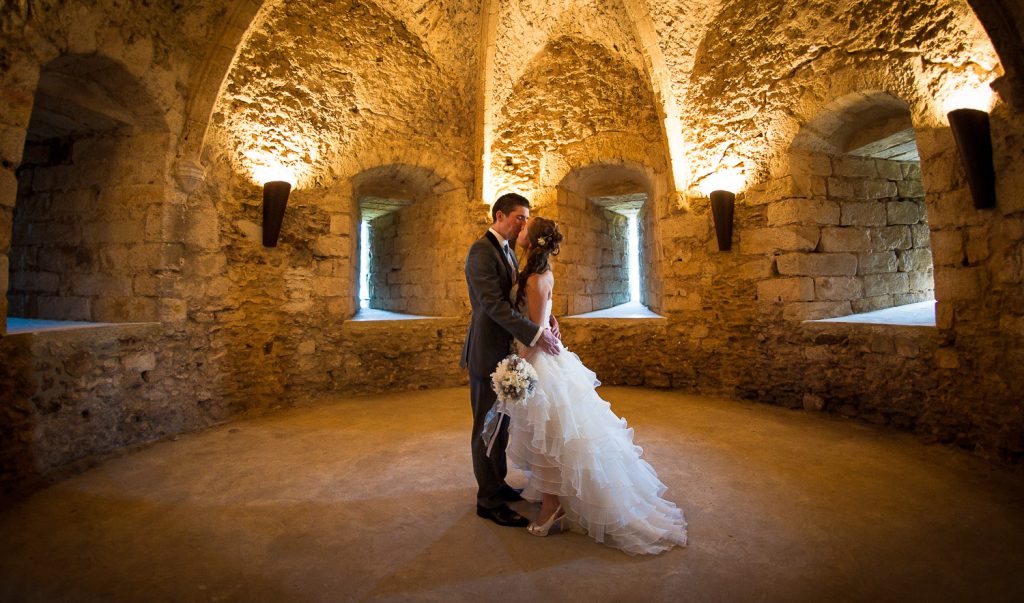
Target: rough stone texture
(79, 230)
(414, 259)
(887, 236)
(359, 80)
(81, 394)
(591, 267)
(648, 96)
(586, 89)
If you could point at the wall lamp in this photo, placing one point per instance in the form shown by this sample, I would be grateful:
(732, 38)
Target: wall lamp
(277, 185)
(722, 205)
(968, 119)
(972, 134)
(275, 198)
(719, 188)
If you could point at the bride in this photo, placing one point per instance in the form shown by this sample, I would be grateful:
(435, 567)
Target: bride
(579, 456)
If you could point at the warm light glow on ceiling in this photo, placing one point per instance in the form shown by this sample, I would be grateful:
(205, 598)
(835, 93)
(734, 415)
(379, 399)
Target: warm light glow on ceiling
(263, 174)
(731, 180)
(272, 157)
(976, 97)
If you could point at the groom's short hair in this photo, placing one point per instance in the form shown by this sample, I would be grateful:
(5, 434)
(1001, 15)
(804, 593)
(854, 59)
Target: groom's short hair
(507, 203)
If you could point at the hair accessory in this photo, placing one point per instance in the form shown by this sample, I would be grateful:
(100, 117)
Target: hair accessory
(542, 241)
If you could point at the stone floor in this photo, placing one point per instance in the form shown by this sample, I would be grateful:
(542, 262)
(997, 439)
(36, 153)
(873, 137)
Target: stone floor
(371, 498)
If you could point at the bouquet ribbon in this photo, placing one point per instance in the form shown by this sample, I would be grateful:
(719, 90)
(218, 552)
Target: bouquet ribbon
(492, 422)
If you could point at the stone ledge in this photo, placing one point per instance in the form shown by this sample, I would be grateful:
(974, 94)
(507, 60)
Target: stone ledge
(94, 332)
(404, 324)
(875, 328)
(655, 320)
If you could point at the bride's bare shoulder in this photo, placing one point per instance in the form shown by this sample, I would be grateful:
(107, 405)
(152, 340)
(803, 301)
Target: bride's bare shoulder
(543, 281)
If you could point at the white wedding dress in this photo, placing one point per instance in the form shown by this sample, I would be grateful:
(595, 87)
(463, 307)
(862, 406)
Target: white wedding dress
(568, 442)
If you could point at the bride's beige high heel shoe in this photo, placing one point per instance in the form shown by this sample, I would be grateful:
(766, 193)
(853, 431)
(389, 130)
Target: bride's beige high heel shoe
(543, 529)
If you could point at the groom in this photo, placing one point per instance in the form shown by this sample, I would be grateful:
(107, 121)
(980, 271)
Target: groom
(491, 269)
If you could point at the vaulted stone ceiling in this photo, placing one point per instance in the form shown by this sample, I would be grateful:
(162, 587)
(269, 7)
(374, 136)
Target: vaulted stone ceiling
(315, 83)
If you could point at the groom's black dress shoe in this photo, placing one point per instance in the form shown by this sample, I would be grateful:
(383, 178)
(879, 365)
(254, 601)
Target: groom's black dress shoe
(510, 495)
(503, 516)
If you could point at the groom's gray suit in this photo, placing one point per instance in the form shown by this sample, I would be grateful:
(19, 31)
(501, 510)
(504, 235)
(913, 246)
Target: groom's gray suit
(492, 328)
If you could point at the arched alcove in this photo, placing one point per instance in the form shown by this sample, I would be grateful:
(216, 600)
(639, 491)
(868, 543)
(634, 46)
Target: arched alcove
(863, 215)
(86, 236)
(605, 212)
(410, 261)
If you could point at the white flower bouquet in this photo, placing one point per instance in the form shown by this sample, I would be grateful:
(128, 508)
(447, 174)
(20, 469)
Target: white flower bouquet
(514, 381)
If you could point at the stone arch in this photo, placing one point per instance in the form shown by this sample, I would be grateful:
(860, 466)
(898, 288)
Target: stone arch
(853, 118)
(206, 84)
(657, 73)
(609, 158)
(325, 98)
(661, 76)
(86, 237)
(366, 159)
(412, 265)
(609, 148)
(1003, 20)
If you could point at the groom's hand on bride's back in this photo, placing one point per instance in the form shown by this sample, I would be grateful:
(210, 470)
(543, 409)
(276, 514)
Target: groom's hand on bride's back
(548, 342)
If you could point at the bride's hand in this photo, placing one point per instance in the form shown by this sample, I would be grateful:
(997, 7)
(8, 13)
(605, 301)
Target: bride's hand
(548, 342)
(554, 327)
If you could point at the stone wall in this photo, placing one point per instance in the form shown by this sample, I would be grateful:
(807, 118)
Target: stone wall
(245, 329)
(385, 290)
(315, 98)
(571, 92)
(845, 370)
(649, 257)
(72, 397)
(141, 57)
(87, 237)
(592, 267)
(416, 264)
(83, 394)
(858, 241)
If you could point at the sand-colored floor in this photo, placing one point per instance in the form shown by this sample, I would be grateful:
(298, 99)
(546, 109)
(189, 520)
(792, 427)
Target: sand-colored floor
(372, 498)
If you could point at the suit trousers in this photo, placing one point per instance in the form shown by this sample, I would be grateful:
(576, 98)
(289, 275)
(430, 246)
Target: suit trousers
(490, 471)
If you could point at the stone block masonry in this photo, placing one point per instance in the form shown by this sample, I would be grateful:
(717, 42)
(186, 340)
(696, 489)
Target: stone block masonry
(871, 254)
(78, 243)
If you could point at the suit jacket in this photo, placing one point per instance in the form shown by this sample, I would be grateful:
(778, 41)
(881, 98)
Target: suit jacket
(494, 323)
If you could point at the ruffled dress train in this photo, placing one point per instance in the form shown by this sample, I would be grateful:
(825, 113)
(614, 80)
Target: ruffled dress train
(568, 442)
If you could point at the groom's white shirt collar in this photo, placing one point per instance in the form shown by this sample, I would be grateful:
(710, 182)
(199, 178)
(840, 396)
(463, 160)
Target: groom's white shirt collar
(501, 240)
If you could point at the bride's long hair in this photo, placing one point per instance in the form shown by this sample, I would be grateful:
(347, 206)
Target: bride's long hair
(545, 239)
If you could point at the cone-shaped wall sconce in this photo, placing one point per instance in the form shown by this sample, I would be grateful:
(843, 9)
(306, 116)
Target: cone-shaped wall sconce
(972, 134)
(275, 198)
(722, 204)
